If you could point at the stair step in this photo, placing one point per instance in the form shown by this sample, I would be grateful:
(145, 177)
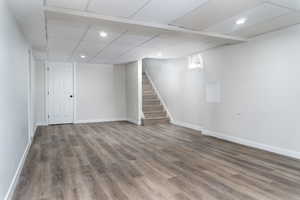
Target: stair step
(150, 96)
(153, 111)
(152, 121)
(155, 114)
(147, 86)
(148, 92)
(151, 100)
(153, 108)
(154, 103)
(148, 89)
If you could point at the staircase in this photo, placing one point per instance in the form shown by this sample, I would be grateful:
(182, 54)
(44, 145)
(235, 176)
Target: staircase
(154, 112)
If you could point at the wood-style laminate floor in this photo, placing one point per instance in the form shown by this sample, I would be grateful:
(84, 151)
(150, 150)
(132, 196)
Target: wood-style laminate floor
(121, 161)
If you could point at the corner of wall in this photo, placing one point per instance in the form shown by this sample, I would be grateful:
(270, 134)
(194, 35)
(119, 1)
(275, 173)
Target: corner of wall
(17, 174)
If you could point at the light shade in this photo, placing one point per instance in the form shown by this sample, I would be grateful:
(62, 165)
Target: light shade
(196, 61)
(241, 21)
(102, 34)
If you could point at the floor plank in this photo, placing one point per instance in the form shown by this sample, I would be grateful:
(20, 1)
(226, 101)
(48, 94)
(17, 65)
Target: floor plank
(121, 161)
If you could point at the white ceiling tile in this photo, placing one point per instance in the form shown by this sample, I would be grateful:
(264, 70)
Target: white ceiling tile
(88, 49)
(58, 56)
(213, 12)
(272, 25)
(61, 44)
(31, 18)
(124, 43)
(292, 4)
(39, 55)
(93, 36)
(133, 39)
(61, 48)
(112, 52)
(172, 46)
(73, 4)
(261, 13)
(61, 29)
(166, 11)
(119, 8)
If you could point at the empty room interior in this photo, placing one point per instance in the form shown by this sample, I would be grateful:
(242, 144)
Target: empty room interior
(149, 100)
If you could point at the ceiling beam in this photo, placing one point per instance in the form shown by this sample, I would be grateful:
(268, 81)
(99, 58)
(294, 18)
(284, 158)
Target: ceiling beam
(94, 16)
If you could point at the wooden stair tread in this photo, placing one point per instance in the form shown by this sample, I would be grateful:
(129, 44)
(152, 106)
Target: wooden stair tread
(157, 117)
(154, 112)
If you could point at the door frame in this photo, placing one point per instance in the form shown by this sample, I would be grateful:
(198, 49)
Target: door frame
(47, 91)
(30, 97)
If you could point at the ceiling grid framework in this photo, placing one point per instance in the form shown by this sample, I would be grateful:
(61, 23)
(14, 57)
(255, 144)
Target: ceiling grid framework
(139, 28)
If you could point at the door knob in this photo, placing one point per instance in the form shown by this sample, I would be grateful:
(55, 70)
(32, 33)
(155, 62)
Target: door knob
(71, 96)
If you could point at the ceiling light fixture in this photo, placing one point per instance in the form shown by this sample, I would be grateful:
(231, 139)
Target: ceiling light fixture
(241, 21)
(103, 34)
(82, 56)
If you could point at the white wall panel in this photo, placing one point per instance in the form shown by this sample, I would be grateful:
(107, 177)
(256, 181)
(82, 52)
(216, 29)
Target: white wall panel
(133, 72)
(100, 92)
(14, 85)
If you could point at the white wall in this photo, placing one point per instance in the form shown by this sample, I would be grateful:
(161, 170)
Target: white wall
(100, 93)
(39, 84)
(14, 83)
(31, 96)
(260, 91)
(133, 73)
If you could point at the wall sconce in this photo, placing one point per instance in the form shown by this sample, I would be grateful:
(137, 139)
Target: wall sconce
(196, 61)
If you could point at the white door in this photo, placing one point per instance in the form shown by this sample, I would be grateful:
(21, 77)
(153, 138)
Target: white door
(60, 93)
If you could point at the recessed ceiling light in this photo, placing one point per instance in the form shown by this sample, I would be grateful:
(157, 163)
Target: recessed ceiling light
(82, 56)
(241, 21)
(103, 34)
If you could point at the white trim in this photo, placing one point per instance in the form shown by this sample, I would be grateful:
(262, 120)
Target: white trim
(249, 143)
(187, 125)
(75, 92)
(86, 121)
(41, 124)
(159, 96)
(16, 177)
(277, 150)
(46, 93)
(134, 121)
(30, 97)
(140, 92)
(34, 130)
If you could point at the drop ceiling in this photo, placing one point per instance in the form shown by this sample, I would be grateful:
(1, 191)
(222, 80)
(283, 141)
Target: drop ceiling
(62, 30)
